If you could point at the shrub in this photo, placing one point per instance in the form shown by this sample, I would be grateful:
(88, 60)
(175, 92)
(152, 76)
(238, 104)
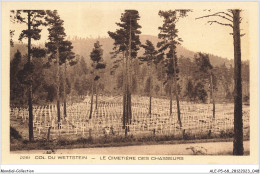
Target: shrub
(226, 134)
(14, 133)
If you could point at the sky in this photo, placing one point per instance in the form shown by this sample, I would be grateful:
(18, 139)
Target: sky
(96, 19)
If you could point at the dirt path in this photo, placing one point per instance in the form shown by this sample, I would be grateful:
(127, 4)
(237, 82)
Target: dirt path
(213, 148)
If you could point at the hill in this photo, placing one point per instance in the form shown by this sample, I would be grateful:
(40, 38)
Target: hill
(83, 47)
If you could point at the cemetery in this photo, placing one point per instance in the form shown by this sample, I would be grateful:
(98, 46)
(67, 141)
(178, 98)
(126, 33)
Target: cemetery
(107, 119)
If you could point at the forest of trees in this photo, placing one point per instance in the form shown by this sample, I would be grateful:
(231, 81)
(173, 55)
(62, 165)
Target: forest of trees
(79, 82)
(124, 64)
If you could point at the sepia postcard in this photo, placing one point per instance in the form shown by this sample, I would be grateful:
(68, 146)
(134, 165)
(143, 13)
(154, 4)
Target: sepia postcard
(129, 82)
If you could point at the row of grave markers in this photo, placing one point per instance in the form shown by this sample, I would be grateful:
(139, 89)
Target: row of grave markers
(108, 119)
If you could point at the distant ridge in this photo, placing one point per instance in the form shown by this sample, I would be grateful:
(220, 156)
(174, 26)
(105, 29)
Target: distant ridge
(83, 47)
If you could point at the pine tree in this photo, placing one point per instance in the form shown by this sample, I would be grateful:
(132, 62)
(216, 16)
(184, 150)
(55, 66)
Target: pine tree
(232, 19)
(67, 56)
(238, 121)
(98, 63)
(127, 43)
(169, 35)
(206, 72)
(151, 58)
(33, 19)
(190, 90)
(55, 45)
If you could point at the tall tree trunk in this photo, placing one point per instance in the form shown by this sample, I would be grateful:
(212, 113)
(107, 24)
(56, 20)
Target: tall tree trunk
(161, 87)
(31, 137)
(150, 105)
(212, 94)
(124, 110)
(238, 122)
(96, 97)
(126, 97)
(58, 84)
(128, 111)
(150, 91)
(64, 91)
(91, 102)
(126, 114)
(171, 97)
(161, 70)
(129, 75)
(176, 90)
(124, 91)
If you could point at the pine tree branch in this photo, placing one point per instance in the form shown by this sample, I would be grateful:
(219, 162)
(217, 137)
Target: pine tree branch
(230, 11)
(224, 17)
(226, 14)
(240, 20)
(211, 22)
(240, 34)
(217, 15)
